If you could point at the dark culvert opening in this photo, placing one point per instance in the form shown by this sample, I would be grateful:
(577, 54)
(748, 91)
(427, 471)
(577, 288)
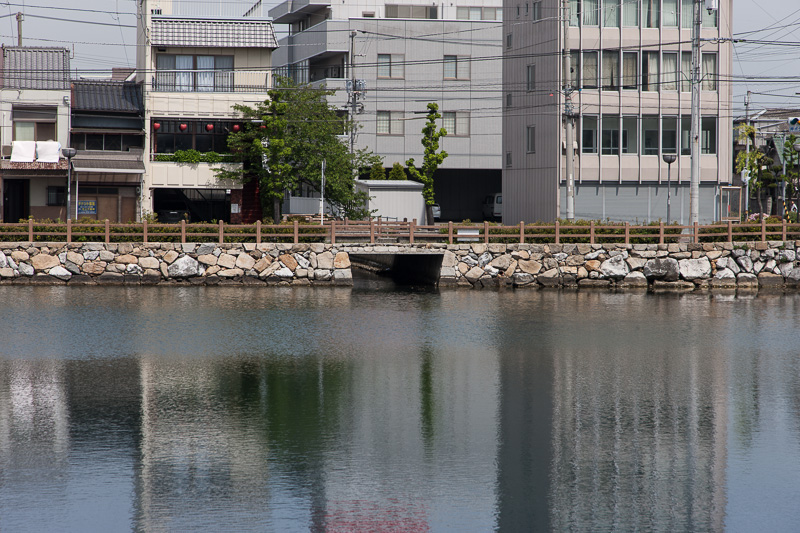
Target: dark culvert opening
(403, 269)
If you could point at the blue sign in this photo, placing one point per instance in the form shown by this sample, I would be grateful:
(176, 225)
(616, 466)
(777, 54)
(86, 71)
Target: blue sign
(87, 207)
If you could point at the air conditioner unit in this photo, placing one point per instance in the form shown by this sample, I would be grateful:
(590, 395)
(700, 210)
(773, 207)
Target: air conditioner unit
(6, 151)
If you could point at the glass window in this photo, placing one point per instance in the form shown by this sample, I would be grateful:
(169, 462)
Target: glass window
(629, 69)
(687, 13)
(450, 70)
(630, 135)
(709, 70)
(531, 139)
(78, 141)
(669, 135)
(610, 134)
(24, 131)
(589, 135)
(531, 78)
(475, 13)
(589, 70)
(611, 13)
(709, 19)
(384, 123)
(670, 71)
(590, 12)
(449, 121)
(630, 13)
(509, 100)
(708, 135)
(575, 68)
(536, 11)
(94, 141)
(686, 135)
(650, 71)
(610, 70)
(509, 40)
(670, 9)
(384, 66)
(650, 135)
(456, 123)
(650, 11)
(462, 13)
(56, 195)
(686, 72)
(137, 141)
(574, 12)
(508, 159)
(113, 141)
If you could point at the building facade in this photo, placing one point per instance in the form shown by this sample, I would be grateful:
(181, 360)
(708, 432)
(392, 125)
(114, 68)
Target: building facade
(409, 54)
(35, 123)
(195, 61)
(631, 93)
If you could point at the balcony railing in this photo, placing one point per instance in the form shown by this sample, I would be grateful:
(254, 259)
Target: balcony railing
(212, 8)
(211, 81)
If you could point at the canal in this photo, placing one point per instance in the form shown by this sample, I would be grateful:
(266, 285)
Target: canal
(378, 409)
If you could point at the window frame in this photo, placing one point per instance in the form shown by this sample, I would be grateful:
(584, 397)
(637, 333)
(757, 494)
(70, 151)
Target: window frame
(394, 121)
(396, 66)
(460, 63)
(530, 139)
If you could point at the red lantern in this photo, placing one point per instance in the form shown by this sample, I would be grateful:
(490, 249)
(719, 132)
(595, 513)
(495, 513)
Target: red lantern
(209, 127)
(183, 127)
(263, 127)
(236, 127)
(156, 125)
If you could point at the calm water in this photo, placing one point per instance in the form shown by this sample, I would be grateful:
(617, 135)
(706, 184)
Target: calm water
(234, 409)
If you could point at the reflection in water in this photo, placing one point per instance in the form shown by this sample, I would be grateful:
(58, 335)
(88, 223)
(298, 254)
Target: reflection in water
(337, 410)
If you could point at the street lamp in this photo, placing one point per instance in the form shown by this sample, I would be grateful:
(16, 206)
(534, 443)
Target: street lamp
(669, 159)
(69, 153)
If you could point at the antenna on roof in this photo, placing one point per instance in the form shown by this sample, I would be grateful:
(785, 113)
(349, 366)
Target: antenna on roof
(20, 18)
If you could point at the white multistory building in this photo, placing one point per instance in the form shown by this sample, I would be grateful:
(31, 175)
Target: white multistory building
(408, 54)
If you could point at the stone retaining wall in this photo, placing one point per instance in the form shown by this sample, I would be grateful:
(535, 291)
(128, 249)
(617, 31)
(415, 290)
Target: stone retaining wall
(204, 264)
(662, 266)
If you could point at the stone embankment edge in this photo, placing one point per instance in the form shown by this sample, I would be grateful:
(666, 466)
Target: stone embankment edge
(475, 265)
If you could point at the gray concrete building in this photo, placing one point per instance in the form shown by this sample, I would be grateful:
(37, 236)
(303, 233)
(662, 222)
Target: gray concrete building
(409, 54)
(631, 72)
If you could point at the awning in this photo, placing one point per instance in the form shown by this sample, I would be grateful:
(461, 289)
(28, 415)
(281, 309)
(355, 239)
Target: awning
(107, 166)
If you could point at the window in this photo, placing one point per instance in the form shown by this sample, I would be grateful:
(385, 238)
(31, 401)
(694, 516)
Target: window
(610, 135)
(530, 84)
(389, 123)
(611, 13)
(56, 195)
(708, 135)
(390, 66)
(709, 19)
(589, 135)
(574, 12)
(590, 12)
(175, 135)
(686, 135)
(401, 11)
(536, 11)
(107, 141)
(629, 69)
(670, 9)
(649, 71)
(530, 139)
(670, 71)
(508, 159)
(479, 13)
(709, 70)
(686, 72)
(650, 11)
(509, 40)
(34, 123)
(509, 100)
(456, 123)
(669, 135)
(650, 135)
(456, 67)
(610, 70)
(589, 70)
(687, 15)
(630, 13)
(575, 68)
(630, 135)
(194, 73)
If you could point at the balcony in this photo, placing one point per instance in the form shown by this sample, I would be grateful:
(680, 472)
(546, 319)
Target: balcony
(294, 10)
(212, 81)
(231, 9)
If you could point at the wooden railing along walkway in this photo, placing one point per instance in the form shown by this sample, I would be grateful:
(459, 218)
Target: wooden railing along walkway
(378, 230)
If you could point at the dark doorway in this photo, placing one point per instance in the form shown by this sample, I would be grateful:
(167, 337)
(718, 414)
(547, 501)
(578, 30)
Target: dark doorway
(16, 200)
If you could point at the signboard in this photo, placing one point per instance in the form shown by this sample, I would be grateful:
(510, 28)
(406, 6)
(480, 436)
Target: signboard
(794, 125)
(87, 207)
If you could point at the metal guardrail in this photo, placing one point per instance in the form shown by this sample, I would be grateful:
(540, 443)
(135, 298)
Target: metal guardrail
(379, 230)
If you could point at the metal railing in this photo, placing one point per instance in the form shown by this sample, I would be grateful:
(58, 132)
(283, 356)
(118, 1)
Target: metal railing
(379, 230)
(211, 81)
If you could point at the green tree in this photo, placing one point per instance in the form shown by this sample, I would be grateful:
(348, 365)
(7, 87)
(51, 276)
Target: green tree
(377, 172)
(397, 172)
(790, 155)
(431, 159)
(753, 163)
(283, 142)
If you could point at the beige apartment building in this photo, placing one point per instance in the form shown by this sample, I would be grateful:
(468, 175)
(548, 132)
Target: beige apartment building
(196, 60)
(630, 74)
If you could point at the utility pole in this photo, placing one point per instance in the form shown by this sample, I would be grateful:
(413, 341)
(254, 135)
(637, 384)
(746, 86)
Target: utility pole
(694, 183)
(20, 18)
(745, 172)
(568, 113)
(352, 88)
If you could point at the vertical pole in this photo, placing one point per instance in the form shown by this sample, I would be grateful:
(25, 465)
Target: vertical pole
(333, 231)
(521, 232)
(76, 190)
(783, 181)
(485, 232)
(371, 231)
(627, 233)
(669, 190)
(183, 230)
(30, 230)
(730, 231)
(20, 18)
(661, 232)
(221, 233)
(296, 231)
(568, 117)
(411, 231)
(745, 171)
(322, 196)
(144, 231)
(558, 235)
(696, 231)
(694, 184)
(763, 229)
(591, 232)
(69, 231)
(108, 231)
(258, 232)
(450, 232)
(353, 99)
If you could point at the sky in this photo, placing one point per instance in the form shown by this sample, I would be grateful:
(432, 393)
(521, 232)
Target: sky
(102, 34)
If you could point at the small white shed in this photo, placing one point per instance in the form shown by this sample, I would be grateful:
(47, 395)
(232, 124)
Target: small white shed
(394, 199)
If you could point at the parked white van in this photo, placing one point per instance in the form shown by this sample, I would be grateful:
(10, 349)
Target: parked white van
(493, 207)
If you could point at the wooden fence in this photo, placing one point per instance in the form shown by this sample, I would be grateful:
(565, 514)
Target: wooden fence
(378, 230)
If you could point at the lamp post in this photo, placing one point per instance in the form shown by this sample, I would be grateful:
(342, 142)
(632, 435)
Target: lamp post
(69, 153)
(669, 159)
